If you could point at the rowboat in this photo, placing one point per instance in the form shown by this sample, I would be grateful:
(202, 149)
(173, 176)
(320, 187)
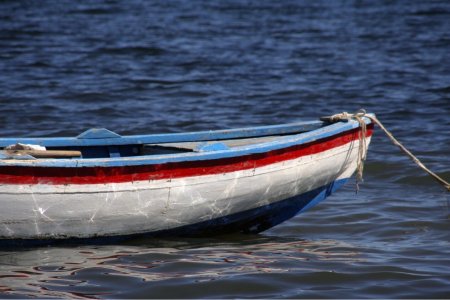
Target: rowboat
(100, 185)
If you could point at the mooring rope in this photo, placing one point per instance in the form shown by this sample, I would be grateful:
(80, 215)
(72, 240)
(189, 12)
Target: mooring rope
(363, 146)
(414, 158)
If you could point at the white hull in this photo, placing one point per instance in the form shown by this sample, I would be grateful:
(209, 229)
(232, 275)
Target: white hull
(97, 210)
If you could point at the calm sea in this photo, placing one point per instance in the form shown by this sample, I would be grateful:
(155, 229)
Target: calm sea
(139, 67)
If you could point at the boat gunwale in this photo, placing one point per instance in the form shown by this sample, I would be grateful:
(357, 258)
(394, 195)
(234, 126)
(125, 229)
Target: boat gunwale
(323, 132)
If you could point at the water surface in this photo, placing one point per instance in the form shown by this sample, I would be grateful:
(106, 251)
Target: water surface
(139, 67)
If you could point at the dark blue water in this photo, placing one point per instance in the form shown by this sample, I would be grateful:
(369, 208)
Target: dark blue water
(169, 66)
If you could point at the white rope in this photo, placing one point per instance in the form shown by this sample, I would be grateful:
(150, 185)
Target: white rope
(363, 145)
(414, 158)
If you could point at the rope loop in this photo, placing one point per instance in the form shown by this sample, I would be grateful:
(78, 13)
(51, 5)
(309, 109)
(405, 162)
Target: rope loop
(362, 145)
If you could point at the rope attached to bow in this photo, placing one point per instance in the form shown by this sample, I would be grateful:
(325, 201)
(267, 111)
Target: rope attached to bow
(363, 145)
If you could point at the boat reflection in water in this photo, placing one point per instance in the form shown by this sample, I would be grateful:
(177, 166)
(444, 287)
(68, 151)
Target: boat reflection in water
(92, 271)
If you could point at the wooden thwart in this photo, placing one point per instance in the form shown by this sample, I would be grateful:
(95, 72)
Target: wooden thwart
(45, 153)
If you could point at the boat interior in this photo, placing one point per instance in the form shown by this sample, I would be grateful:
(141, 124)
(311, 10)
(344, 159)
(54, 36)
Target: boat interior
(166, 148)
(102, 143)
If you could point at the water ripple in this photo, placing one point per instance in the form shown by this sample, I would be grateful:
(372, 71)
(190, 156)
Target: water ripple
(139, 67)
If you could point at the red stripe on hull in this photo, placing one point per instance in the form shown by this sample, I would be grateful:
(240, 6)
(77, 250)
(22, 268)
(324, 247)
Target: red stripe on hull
(96, 175)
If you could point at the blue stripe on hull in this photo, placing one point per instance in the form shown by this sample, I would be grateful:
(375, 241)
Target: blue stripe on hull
(258, 219)
(250, 221)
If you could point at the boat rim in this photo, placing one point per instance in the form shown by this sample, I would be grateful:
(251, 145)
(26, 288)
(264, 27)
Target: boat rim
(326, 130)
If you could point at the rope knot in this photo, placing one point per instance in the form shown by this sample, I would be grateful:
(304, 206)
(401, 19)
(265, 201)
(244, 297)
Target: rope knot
(345, 116)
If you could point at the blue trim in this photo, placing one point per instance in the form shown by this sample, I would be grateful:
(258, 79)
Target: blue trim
(251, 221)
(283, 142)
